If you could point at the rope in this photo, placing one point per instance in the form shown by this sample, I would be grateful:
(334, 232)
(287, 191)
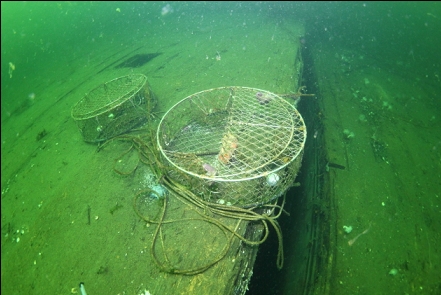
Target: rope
(149, 156)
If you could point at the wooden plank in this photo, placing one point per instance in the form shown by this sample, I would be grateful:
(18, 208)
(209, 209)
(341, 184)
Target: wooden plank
(200, 255)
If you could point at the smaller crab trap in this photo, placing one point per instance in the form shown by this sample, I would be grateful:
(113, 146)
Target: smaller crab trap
(114, 107)
(233, 145)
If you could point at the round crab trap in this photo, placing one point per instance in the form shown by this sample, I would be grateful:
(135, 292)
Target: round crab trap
(113, 108)
(233, 145)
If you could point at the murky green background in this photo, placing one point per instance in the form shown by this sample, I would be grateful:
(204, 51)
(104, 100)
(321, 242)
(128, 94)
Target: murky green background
(51, 52)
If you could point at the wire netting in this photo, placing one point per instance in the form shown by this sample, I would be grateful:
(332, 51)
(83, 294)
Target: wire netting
(233, 145)
(113, 108)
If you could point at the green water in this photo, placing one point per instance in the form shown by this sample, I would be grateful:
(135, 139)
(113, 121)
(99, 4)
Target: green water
(52, 182)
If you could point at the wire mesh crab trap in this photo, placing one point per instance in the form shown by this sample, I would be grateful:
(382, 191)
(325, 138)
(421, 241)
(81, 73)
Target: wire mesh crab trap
(233, 145)
(114, 108)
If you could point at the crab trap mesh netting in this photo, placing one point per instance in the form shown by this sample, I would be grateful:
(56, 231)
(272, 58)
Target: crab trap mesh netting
(113, 108)
(233, 145)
